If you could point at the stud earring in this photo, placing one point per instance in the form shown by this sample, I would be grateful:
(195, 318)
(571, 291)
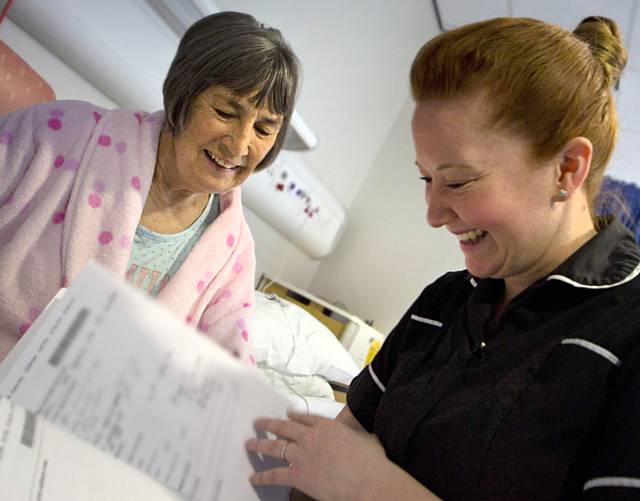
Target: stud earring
(563, 194)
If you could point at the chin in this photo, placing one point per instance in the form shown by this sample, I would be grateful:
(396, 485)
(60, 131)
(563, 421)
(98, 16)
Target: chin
(480, 271)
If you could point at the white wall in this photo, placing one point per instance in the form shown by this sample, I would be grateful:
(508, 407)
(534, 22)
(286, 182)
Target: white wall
(277, 257)
(355, 57)
(388, 253)
(625, 163)
(66, 83)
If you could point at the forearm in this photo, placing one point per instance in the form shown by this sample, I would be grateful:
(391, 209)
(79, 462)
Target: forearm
(394, 483)
(397, 485)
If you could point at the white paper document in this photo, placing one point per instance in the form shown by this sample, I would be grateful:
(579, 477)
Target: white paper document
(116, 369)
(39, 461)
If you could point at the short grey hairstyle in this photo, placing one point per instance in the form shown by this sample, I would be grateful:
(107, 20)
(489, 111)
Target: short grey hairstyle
(233, 50)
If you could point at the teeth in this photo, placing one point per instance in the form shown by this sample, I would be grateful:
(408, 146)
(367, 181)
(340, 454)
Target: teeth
(471, 236)
(222, 163)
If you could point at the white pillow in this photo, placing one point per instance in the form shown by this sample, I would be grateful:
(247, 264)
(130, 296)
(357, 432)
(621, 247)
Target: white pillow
(289, 339)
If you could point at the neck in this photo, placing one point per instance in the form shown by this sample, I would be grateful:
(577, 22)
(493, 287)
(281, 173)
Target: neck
(575, 228)
(165, 195)
(169, 207)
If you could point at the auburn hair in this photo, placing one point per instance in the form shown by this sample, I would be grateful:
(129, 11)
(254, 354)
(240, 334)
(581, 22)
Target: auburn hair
(544, 83)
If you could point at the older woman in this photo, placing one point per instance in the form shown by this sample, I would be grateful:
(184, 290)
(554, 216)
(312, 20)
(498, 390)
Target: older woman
(155, 197)
(518, 378)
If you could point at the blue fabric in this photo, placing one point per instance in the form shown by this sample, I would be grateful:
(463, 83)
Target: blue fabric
(622, 199)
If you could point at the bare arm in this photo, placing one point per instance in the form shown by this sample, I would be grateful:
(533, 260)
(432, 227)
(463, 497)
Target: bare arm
(346, 417)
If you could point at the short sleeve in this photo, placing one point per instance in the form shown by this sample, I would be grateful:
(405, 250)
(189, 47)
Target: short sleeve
(615, 468)
(367, 388)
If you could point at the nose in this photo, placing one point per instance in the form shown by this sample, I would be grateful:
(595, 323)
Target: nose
(439, 213)
(236, 143)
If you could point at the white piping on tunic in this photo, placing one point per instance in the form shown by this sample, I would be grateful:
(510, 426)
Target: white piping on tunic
(426, 320)
(612, 482)
(376, 380)
(603, 352)
(628, 278)
(473, 282)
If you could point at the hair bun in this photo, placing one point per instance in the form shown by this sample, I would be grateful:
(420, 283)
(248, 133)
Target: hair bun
(603, 37)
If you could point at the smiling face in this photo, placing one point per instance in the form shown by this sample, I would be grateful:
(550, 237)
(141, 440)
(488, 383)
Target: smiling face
(484, 186)
(223, 141)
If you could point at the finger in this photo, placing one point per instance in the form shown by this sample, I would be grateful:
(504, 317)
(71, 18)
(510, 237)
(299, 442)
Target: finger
(305, 419)
(274, 476)
(272, 448)
(281, 427)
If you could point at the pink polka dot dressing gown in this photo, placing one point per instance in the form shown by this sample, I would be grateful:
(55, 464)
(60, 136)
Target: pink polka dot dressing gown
(73, 182)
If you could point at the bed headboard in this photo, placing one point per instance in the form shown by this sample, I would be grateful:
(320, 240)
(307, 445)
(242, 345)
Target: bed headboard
(361, 340)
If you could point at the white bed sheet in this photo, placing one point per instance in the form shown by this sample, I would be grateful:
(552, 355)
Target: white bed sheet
(319, 406)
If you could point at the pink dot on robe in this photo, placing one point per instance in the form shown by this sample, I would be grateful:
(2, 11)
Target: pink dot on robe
(57, 163)
(246, 305)
(54, 124)
(135, 182)
(24, 328)
(97, 116)
(105, 237)
(245, 335)
(231, 240)
(56, 113)
(104, 140)
(200, 286)
(226, 204)
(237, 268)
(99, 186)
(121, 147)
(189, 318)
(57, 218)
(241, 323)
(6, 138)
(226, 294)
(94, 200)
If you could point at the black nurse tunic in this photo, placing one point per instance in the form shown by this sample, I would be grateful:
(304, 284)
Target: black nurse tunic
(542, 404)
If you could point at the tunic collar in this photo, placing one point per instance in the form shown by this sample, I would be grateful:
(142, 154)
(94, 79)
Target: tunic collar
(609, 259)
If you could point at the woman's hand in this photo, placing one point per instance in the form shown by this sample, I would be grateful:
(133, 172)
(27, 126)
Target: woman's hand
(327, 459)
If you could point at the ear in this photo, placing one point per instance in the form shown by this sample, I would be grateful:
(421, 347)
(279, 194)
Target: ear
(573, 166)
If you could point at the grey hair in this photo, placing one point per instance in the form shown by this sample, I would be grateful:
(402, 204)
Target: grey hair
(235, 51)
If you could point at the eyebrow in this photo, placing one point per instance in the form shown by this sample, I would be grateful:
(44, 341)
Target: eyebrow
(450, 166)
(240, 108)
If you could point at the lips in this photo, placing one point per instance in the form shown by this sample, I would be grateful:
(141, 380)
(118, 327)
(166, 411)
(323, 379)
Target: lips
(471, 236)
(220, 163)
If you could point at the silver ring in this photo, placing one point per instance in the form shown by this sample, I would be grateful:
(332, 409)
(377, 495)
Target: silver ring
(283, 453)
